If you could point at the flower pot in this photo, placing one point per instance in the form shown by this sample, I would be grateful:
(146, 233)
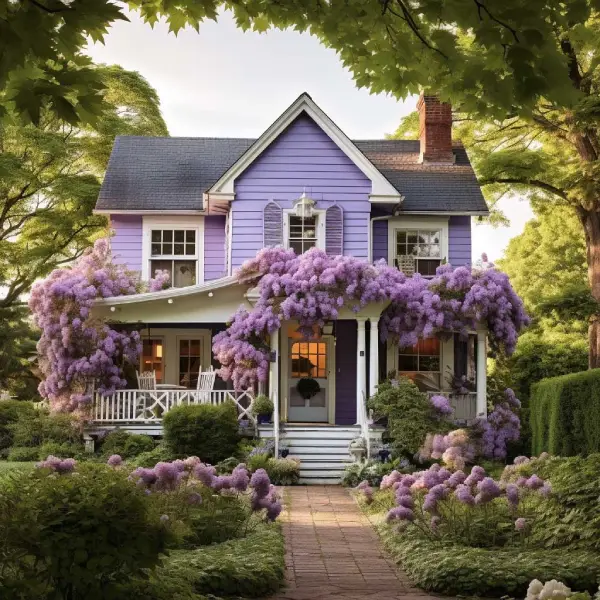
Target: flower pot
(263, 419)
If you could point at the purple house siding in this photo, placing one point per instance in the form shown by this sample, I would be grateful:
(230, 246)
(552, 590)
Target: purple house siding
(459, 241)
(345, 373)
(126, 243)
(380, 240)
(302, 158)
(214, 247)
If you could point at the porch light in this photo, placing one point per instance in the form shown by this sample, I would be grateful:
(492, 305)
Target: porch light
(304, 206)
(113, 308)
(170, 300)
(328, 328)
(210, 294)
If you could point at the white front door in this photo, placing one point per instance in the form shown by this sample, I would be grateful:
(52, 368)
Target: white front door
(309, 369)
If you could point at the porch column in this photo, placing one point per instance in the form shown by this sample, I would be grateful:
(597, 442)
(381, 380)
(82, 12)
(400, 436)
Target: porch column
(374, 356)
(274, 368)
(482, 373)
(361, 368)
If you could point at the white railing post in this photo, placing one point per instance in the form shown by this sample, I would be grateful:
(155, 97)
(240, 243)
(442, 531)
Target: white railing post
(276, 424)
(374, 356)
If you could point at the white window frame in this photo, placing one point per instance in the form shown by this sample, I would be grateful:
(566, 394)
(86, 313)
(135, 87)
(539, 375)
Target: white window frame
(407, 223)
(187, 223)
(320, 214)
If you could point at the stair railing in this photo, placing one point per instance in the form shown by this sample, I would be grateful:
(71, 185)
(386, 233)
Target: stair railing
(276, 423)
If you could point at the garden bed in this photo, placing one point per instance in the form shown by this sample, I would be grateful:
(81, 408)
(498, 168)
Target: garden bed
(449, 568)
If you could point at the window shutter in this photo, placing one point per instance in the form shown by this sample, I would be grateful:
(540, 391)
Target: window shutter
(272, 225)
(334, 230)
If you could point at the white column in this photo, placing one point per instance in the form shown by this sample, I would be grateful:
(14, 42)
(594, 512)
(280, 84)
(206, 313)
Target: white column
(274, 368)
(361, 367)
(374, 356)
(481, 373)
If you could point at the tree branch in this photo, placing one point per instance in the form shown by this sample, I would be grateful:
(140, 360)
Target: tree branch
(547, 187)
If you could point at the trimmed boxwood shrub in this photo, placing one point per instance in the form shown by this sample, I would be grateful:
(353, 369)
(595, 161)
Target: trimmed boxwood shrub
(203, 430)
(10, 411)
(108, 534)
(565, 414)
(462, 570)
(149, 459)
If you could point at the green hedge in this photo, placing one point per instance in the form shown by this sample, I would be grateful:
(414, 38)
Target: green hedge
(204, 430)
(461, 570)
(565, 414)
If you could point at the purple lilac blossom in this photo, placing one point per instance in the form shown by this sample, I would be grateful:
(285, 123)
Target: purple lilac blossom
(400, 513)
(115, 460)
(58, 465)
(441, 405)
(463, 494)
(534, 482)
(520, 524)
(512, 494)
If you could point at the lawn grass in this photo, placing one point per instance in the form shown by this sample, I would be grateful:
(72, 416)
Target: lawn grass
(6, 466)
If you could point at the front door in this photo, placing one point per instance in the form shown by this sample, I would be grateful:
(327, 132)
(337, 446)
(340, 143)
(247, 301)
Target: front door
(309, 368)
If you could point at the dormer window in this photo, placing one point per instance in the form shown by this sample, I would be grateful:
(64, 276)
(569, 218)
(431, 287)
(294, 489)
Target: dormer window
(302, 234)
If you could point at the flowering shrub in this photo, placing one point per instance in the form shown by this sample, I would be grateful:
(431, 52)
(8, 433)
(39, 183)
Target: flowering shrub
(76, 349)
(473, 509)
(314, 287)
(455, 448)
(501, 427)
(192, 480)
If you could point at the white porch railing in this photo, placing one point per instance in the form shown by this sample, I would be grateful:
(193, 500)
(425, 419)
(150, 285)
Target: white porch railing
(276, 424)
(149, 406)
(464, 405)
(363, 420)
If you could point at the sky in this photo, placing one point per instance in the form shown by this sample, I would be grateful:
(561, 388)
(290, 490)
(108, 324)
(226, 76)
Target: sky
(223, 82)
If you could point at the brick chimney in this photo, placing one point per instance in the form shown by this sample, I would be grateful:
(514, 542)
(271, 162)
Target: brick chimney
(435, 130)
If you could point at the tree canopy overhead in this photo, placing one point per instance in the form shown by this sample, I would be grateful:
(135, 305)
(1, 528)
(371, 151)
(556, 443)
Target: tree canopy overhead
(489, 57)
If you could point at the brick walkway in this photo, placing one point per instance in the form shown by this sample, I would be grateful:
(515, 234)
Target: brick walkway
(332, 551)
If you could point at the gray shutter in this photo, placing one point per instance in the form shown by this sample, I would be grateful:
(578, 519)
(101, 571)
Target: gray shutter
(334, 230)
(272, 225)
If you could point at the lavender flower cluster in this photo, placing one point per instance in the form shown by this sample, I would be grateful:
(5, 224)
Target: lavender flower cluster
(455, 448)
(313, 287)
(501, 427)
(185, 475)
(76, 349)
(58, 465)
(428, 495)
(441, 405)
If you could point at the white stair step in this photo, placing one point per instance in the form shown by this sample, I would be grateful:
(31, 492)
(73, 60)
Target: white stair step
(306, 457)
(319, 465)
(319, 481)
(317, 443)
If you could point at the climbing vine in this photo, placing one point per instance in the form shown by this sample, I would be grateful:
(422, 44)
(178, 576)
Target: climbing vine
(312, 288)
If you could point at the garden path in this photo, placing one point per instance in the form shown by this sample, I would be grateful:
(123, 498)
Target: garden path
(333, 552)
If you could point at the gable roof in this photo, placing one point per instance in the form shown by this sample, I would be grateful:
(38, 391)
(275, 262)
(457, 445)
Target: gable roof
(171, 174)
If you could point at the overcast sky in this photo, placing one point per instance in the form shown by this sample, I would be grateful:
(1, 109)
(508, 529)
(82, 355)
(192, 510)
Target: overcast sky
(223, 82)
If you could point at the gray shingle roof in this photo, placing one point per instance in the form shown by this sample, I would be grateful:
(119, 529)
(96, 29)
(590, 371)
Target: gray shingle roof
(154, 173)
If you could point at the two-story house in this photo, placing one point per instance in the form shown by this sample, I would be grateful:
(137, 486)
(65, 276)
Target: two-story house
(199, 207)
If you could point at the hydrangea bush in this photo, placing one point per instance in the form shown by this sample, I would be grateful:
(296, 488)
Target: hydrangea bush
(312, 288)
(75, 349)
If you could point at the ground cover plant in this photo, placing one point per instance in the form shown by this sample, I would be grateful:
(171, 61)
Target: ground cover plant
(461, 532)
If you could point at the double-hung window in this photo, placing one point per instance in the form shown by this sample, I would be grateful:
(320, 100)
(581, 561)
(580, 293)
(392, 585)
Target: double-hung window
(418, 250)
(175, 250)
(422, 363)
(302, 233)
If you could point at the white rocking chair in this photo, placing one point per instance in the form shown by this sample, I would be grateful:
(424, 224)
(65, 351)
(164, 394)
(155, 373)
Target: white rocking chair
(206, 384)
(146, 380)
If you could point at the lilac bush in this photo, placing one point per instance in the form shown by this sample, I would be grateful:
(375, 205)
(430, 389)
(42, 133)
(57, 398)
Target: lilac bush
(312, 288)
(75, 349)
(501, 427)
(191, 480)
(472, 509)
(58, 465)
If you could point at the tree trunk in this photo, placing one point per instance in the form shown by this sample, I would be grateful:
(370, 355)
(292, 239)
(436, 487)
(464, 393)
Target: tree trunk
(591, 225)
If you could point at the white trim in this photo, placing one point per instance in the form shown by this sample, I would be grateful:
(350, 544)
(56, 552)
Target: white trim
(111, 211)
(431, 213)
(173, 222)
(319, 213)
(402, 223)
(170, 293)
(381, 188)
(481, 384)
(361, 367)
(228, 241)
